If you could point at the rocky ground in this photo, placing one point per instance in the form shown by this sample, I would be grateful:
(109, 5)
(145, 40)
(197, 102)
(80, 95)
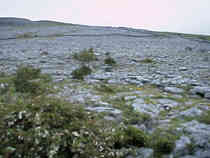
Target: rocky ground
(162, 75)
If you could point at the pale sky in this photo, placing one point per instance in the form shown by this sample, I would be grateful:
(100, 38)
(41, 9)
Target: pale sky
(188, 16)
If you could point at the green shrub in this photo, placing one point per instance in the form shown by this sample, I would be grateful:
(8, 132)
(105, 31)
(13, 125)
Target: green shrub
(81, 72)
(205, 118)
(163, 142)
(147, 60)
(130, 136)
(47, 127)
(86, 55)
(191, 148)
(30, 80)
(109, 61)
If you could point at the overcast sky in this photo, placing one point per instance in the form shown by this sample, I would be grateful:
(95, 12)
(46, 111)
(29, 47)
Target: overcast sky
(189, 16)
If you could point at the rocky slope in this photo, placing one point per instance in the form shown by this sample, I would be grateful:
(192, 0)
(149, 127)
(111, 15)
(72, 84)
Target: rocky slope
(165, 76)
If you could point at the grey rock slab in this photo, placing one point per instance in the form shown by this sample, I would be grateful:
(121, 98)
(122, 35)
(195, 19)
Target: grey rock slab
(104, 109)
(129, 98)
(174, 90)
(104, 103)
(192, 112)
(203, 154)
(188, 156)
(181, 146)
(95, 98)
(145, 153)
(201, 90)
(199, 132)
(142, 107)
(101, 76)
(183, 69)
(207, 95)
(142, 79)
(167, 102)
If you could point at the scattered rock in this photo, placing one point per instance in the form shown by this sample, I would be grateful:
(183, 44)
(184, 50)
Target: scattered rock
(145, 153)
(174, 90)
(192, 112)
(105, 76)
(207, 95)
(202, 154)
(202, 91)
(182, 146)
(183, 69)
(189, 156)
(105, 109)
(142, 107)
(199, 133)
(129, 98)
(167, 102)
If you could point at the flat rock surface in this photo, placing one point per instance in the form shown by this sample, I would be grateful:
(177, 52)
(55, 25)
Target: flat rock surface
(128, 46)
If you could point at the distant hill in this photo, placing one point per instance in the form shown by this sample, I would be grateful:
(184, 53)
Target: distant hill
(11, 21)
(14, 21)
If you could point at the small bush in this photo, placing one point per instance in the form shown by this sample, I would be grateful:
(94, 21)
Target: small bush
(163, 142)
(109, 61)
(205, 118)
(81, 72)
(130, 136)
(147, 61)
(86, 55)
(30, 80)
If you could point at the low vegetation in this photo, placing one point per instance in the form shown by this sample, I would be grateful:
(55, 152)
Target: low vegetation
(147, 60)
(25, 35)
(163, 141)
(33, 124)
(130, 136)
(87, 55)
(105, 88)
(42, 126)
(30, 80)
(205, 118)
(110, 61)
(81, 72)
